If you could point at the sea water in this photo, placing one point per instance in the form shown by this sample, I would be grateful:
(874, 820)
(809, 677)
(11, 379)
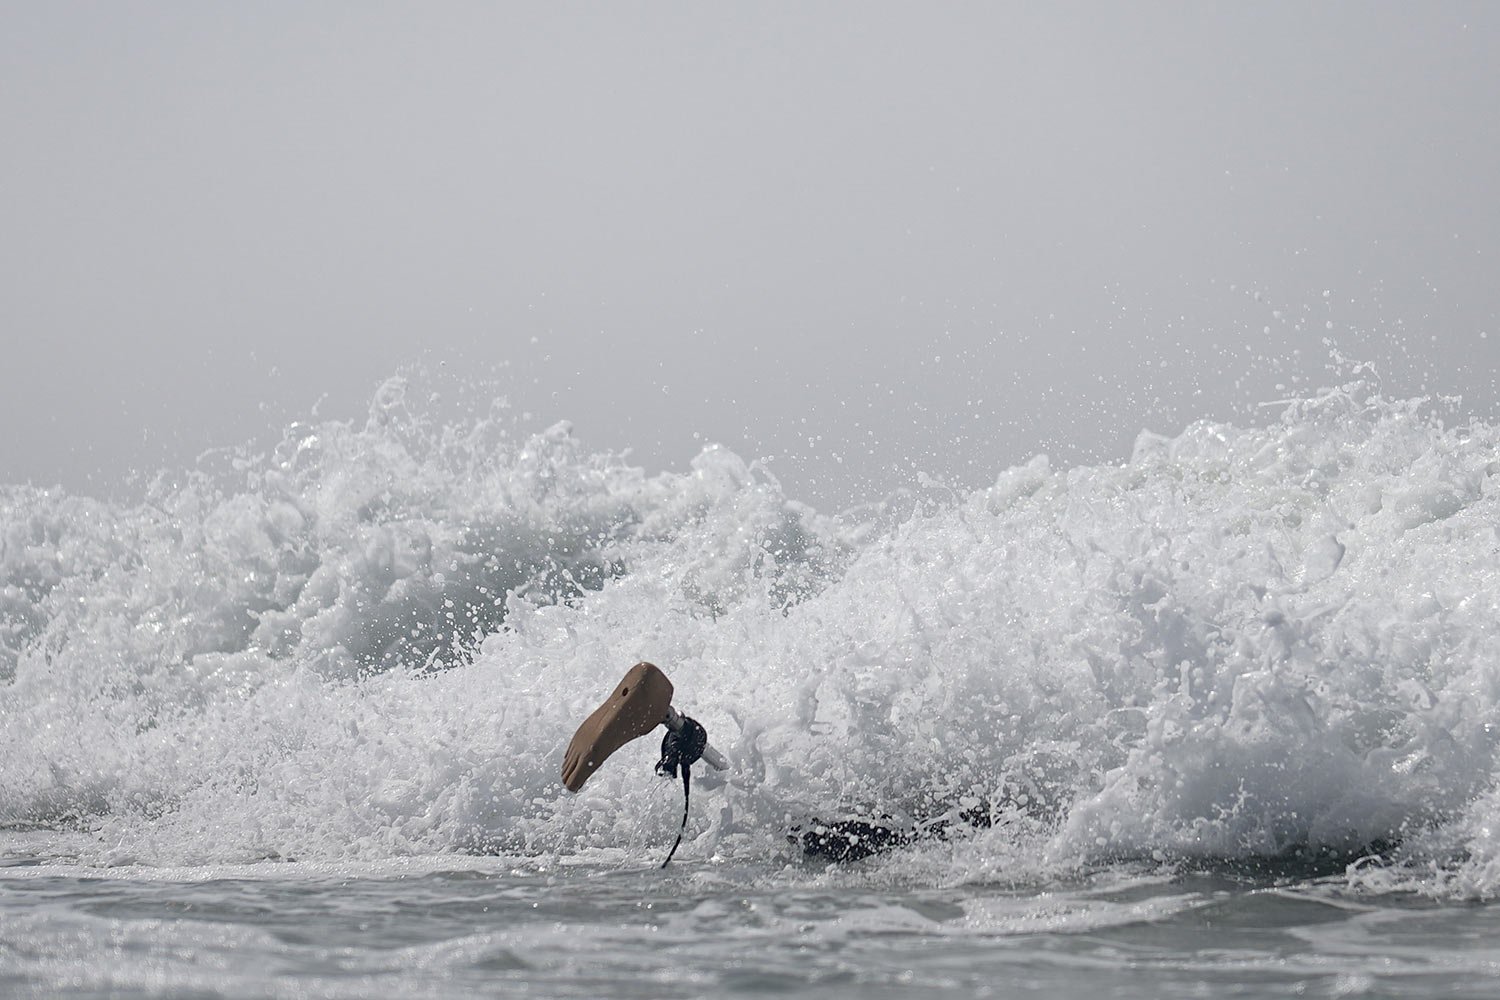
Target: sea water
(591, 929)
(1219, 720)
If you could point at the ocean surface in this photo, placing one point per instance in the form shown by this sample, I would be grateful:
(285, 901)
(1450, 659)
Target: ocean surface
(1221, 720)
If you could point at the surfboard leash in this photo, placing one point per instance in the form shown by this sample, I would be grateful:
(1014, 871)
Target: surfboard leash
(682, 746)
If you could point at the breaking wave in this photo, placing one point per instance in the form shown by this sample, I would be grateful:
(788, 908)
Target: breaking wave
(376, 639)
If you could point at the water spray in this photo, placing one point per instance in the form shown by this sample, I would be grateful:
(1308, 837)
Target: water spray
(641, 702)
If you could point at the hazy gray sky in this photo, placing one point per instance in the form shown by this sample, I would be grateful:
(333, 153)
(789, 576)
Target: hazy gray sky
(902, 235)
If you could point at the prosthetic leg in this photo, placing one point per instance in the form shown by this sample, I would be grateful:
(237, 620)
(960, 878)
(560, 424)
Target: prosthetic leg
(640, 702)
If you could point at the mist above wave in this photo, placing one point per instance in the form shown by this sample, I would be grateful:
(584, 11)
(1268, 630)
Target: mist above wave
(376, 639)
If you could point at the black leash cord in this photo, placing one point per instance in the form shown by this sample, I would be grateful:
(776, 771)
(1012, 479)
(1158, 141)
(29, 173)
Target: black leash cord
(681, 748)
(686, 794)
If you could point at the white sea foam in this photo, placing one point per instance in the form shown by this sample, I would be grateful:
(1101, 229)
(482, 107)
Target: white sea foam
(375, 641)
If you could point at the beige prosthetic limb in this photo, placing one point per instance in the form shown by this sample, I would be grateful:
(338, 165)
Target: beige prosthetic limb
(640, 702)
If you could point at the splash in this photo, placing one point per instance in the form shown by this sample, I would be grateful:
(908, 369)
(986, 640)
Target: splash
(373, 642)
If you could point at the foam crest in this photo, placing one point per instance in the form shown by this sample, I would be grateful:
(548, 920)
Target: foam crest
(374, 642)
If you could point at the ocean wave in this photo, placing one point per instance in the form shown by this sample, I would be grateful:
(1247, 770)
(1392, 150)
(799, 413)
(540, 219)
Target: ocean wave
(375, 639)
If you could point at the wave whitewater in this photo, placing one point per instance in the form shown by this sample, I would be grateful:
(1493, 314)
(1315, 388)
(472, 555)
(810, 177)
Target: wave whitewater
(375, 640)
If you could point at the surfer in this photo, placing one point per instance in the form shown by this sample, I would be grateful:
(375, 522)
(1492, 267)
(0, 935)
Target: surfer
(643, 700)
